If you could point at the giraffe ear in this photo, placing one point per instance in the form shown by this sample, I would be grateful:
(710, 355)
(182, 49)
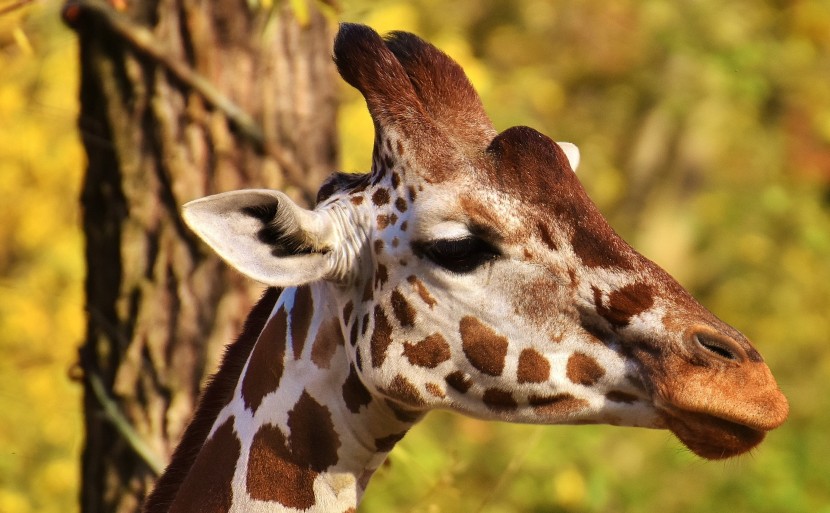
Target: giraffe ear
(572, 152)
(265, 235)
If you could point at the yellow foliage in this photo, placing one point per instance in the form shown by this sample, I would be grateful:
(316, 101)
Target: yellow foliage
(705, 135)
(41, 267)
(569, 488)
(12, 501)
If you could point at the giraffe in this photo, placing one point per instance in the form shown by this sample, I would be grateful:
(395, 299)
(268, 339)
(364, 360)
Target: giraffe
(468, 271)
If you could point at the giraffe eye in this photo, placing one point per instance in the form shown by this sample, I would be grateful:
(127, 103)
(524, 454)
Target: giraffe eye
(458, 255)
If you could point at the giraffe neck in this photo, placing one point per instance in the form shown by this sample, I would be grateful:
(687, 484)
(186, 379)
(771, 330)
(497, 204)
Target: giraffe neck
(300, 432)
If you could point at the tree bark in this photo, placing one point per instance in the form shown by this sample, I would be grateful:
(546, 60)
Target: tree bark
(179, 99)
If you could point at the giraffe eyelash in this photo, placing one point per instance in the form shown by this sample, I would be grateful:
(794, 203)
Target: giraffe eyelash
(462, 255)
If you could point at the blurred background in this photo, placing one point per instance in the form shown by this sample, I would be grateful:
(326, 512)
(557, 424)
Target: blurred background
(704, 128)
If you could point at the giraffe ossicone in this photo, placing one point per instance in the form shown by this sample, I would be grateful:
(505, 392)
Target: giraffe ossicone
(467, 271)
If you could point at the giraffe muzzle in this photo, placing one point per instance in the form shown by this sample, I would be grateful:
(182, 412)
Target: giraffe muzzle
(715, 393)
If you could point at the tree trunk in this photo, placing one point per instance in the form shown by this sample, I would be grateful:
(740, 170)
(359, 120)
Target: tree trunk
(179, 99)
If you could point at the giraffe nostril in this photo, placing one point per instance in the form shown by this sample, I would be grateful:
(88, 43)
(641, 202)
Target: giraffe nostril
(718, 346)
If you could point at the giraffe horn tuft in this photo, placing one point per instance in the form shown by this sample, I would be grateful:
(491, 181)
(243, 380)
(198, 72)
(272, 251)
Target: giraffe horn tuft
(367, 64)
(444, 90)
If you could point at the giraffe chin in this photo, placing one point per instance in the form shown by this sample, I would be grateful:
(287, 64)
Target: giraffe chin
(711, 437)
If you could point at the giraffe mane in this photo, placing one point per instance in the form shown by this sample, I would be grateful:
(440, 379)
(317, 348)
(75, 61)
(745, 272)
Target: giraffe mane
(216, 395)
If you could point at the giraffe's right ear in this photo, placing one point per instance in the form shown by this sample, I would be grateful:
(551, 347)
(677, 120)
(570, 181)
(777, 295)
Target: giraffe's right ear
(265, 235)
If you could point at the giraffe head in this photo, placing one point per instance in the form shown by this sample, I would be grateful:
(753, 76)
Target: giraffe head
(470, 271)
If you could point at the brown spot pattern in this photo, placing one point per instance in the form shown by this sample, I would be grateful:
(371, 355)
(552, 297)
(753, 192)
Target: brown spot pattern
(423, 293)
(403, 390)
(624, 303)
(436, 390)
(381, 337)
(383, 221)
(380, 197)
(386, 443)
(459, 381)
(312, 437)
(356, 200)
(266, 362)
(400, 204)
(329, 336)
(533, 367)
(584, 370)
(381, 275)
(378, 244)
(497, 399)
(368, 291)
(365, 324)
(429, 352)
(270, 456)
(355, 393)
(301, 313)
(353, 334)
(347, 311)
(556, 405)
(207, 486)
(396, 180)
(402, 309)
(484, 348)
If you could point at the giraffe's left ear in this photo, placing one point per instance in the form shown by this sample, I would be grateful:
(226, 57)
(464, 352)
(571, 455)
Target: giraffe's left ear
(265, 235)
(572, 152)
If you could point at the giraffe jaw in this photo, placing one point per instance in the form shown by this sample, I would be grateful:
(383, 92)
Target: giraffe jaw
(711, 437)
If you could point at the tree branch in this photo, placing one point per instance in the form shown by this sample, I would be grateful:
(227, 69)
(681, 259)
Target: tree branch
(113, 414)
(110, 408)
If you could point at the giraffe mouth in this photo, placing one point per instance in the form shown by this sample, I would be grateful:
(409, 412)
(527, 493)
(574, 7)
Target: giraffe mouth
(717, 409)
(711, 437)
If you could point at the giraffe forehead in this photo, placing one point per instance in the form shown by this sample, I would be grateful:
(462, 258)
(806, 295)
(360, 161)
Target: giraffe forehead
(495, 210)
(440, 211)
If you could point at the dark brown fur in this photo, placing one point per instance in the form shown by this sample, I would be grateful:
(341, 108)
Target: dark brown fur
(271, 455)
(485, 349)
(216, 395)
(208, 488)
